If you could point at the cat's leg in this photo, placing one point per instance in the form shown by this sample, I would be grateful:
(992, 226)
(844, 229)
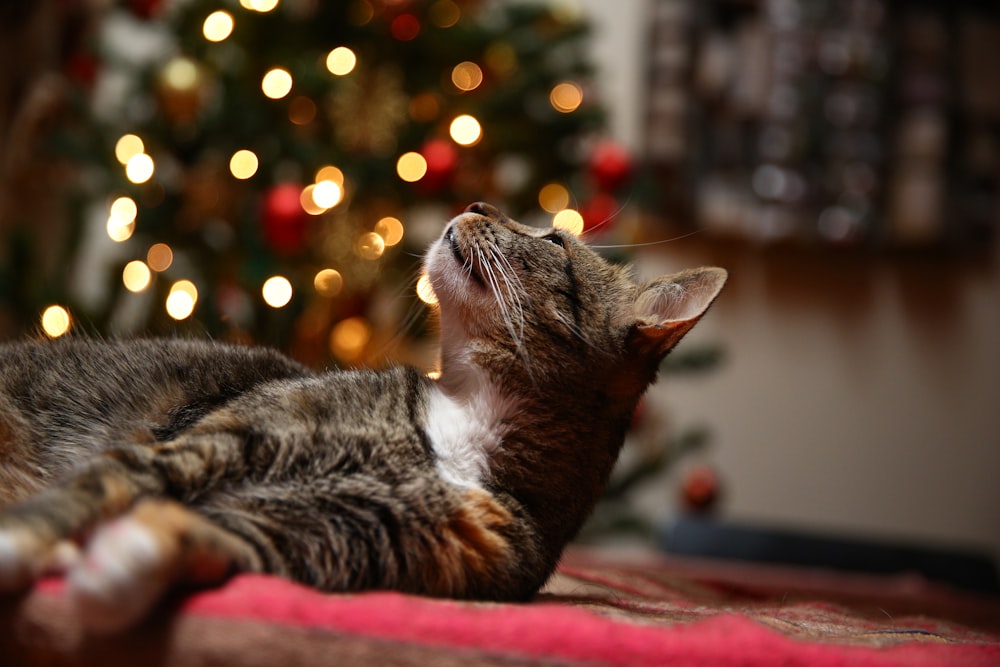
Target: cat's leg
(131, 561)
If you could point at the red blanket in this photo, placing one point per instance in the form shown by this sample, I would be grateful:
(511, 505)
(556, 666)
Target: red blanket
(595, 611)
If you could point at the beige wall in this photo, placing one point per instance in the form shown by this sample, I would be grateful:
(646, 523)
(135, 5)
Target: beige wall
(860, 394)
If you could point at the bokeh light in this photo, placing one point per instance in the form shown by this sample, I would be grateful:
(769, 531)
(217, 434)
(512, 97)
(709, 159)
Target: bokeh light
(553, 197)
(327, 194)
(425, 291)
(465, 130)
(568, 220)
(139, 168)
(136, 276)
(276, 83)
(341, 61)
(127, 146)
(243, 164)
(330, 173)
(349, 338)
(182, 299)
(328, 282)
(277, 291)
(466, 76)
(566, 97)
(56, 321)
(370, 246)
(217, 26)
(390, 229)
(411, 167)
(159, 257)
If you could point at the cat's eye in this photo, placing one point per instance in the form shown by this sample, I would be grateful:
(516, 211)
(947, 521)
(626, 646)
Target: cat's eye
(556, 239)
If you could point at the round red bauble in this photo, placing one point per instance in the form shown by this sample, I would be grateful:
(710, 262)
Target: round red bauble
(610, 165)
(283, 220)
(700, 489)
(442, 160)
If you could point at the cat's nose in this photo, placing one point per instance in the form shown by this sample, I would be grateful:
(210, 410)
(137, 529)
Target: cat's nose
(484, 209)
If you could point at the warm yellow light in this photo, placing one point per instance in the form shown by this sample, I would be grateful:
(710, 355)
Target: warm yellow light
(127, 146)
(55, 321)
(136, 276)
(370, 246)
(465, 130)
(349, 338)
(307, 202)
(553, 197)
(569, 220)
(411, 167)
(261, 6)
(330, 173)
(341, 61)
(466, 76)
(327, 194)
(124, 209)
(217, 26)
(566, 97)
(182, 299)
(181, 74)
(139, 168)
(425, 291)
(159, 257)
(276, 83)
(243, 164)
(119, 230)
(390, 229)
(328, 282)
(277, 291)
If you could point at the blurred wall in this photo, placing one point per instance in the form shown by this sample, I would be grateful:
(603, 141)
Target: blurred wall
(860, 394)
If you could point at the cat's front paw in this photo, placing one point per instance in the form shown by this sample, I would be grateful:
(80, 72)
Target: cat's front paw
(26, 555)
(123, 573)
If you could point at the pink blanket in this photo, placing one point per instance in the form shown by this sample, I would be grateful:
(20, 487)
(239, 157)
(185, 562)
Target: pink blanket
(596, 611)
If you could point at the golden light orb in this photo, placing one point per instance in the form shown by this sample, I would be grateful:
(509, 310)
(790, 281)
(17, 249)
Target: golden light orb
(127, 146)
(124, 210)
(566, 97)
(55, 321)
(466, 76)
(330, 173)
(277, 291)
(349, 338)
(139, 168)
(411, 167)
(277, 83)
(341, 61)
(370, 246)
(159, 257)
(328, 282)
(465, 130)
(445, 13)
(243, 164)
(136, 276)
(118, 230)
(553, 197)
(327, 194)
(217, 26)
(182, 299)
(262, 6)
(425, 291)
(569, 220)
(390, 229)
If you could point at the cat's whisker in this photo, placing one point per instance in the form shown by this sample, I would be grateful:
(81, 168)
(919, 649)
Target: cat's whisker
(609, 218)
(647, 243)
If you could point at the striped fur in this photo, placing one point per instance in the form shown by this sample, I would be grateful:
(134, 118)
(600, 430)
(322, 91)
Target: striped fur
(175, 461)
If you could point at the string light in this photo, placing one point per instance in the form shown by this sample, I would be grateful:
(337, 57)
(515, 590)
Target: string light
(55, 321)
(328, 282)
(330, 173)
(217, 26)
(411, 167)
(370, 246)
(277, 291)
(341, 61)
(466, 76)
(139, 168)
(159, 257)
(262, 6)
(553, 197)
(277, 83)
(390, 229)
(327, 194)
(569, 220)
(425, 291)
(566, 97)
(307, 202)
(127, 146)
(124, 209)
(243, 164)
(182, 299)
(136, 276)
(465, 130)
(349, 338)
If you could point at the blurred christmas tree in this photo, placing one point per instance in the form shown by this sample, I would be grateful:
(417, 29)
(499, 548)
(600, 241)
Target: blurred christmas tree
(270, 171)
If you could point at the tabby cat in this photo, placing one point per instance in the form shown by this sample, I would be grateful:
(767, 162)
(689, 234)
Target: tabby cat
(135, 466)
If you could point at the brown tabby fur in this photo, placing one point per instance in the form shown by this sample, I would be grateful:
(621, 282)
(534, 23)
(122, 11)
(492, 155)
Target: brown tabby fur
(174, 461)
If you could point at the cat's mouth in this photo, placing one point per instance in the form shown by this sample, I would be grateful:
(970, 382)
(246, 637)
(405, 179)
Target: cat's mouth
(451, 238)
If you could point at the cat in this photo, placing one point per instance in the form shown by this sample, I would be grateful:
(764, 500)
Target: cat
(137, 466)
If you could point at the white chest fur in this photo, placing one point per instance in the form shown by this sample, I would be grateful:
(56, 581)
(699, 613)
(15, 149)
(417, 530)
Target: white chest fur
(465, 431)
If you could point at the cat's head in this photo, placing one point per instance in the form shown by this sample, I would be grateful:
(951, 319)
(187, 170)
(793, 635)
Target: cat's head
(536, 307)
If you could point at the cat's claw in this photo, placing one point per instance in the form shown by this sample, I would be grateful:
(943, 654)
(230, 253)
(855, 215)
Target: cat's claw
(120, 577)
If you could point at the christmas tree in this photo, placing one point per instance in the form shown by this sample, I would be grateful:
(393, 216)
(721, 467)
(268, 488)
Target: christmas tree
(270, 171)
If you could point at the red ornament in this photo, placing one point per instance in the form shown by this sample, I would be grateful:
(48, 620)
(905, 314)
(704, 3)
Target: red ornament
(599, 212)
(284, 222)
(701, 489)
(610, 165)
(442, 160)
(145, 9)
(405, 27)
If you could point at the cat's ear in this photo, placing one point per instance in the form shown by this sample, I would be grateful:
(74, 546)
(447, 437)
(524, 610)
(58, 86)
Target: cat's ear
(669, 306)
